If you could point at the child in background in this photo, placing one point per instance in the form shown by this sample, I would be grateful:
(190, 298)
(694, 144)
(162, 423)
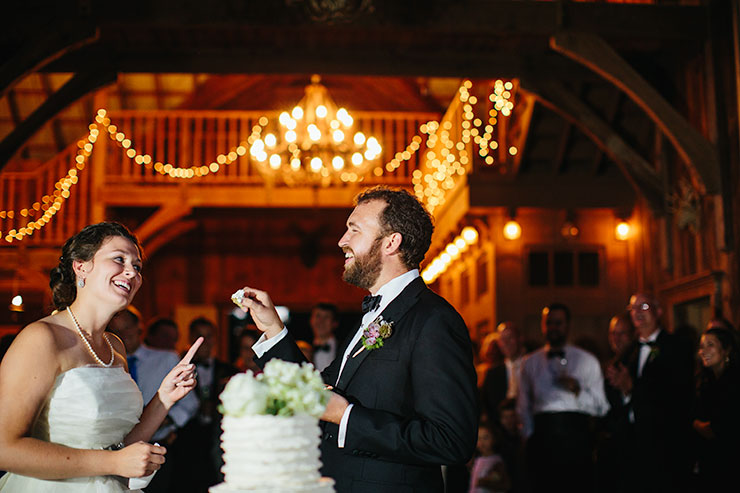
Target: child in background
(489, 472)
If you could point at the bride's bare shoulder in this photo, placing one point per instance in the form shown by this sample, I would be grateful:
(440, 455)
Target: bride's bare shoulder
(48, 333)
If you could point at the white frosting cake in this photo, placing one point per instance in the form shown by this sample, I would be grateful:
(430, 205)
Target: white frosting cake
(273, 454)
(271, 431)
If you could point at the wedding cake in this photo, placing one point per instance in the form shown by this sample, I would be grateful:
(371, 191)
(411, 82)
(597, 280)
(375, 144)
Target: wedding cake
(271, 433)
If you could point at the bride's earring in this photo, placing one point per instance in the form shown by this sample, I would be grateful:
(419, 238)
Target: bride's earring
(80, 283)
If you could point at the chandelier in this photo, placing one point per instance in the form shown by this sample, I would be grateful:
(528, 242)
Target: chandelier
(314, 144)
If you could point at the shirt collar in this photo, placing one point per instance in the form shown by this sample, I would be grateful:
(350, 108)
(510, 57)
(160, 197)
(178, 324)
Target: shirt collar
(393, 288)
(652, 337)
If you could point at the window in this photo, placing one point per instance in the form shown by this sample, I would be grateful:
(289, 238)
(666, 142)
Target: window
(539, 269)
(564, 268)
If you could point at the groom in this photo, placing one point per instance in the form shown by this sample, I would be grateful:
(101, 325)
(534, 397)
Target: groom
(399, 411)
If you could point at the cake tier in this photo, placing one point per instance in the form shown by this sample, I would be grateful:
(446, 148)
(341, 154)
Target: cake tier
(324, 485)
(271, 453)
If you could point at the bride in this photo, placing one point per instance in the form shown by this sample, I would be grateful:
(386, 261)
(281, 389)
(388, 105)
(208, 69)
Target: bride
(71, 418)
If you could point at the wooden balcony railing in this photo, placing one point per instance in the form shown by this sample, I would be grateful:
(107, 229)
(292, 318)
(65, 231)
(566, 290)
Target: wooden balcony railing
(195, 138)
(181, 138)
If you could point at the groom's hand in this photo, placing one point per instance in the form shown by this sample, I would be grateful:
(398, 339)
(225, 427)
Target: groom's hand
(260, 306)
(335, 408)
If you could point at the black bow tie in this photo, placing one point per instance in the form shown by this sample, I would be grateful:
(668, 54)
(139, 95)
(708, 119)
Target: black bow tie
(370, 303)
(556, 353)
(648, 343)
(322, 347)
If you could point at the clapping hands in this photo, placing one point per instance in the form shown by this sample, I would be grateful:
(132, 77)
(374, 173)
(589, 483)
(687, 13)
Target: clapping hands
(619, 377)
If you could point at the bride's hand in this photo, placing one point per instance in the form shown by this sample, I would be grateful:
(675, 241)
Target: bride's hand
(180, 380)
(138, 459)
(260, 306)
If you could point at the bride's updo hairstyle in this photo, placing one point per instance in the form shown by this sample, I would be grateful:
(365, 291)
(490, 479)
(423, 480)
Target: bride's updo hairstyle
(83, 246)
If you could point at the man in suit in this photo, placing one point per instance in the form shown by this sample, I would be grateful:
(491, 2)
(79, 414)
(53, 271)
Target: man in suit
(659, 393)
(324, 322)
(400, 411)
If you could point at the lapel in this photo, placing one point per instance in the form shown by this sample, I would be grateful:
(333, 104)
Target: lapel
(631, 359)
(654, 352)
(395, 310)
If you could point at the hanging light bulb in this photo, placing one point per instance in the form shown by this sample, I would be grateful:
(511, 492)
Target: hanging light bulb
(622, 230)
(16, 304)
(512, 230)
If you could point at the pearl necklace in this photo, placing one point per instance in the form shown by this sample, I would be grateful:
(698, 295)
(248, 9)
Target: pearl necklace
(89, 346)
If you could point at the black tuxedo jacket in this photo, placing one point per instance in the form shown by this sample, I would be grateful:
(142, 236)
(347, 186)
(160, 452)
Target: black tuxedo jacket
(661, 402)
(414, 400)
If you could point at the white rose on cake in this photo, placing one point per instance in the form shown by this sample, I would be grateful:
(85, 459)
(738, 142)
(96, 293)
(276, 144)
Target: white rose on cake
(244, 395)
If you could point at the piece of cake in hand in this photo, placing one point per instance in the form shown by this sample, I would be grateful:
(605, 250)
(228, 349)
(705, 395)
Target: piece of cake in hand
(271, 431)
(238, 298)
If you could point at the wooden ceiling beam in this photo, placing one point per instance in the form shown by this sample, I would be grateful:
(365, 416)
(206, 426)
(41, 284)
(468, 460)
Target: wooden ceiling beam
(696, 151)
(42, 46)
(56, 126)
(561, 192)
(611, 115)
(15, 116)
(167, 214)
(635, 168)
(71, 91)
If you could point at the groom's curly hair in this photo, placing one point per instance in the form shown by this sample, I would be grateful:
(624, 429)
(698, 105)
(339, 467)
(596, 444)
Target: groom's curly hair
(403, 214)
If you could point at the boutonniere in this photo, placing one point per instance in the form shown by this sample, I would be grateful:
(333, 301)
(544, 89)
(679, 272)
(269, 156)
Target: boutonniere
(374, 334)
(654, 353)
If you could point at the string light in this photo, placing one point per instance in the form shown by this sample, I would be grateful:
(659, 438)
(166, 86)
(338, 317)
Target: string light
(451, 252)
(448, 159)
(50, 204)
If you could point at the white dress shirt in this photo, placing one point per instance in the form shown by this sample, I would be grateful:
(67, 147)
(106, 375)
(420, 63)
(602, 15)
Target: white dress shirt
(152, 365)
(387, 293)
(322, 359)
(538, 391)
(645, 350)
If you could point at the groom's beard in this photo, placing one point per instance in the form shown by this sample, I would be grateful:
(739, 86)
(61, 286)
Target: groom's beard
(365, 269)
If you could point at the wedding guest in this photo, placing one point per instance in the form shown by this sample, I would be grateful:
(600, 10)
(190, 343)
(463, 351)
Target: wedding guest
(147, 367)
(248, 337)
(659, 393)
(561, 389)
(509, 444)
(324, 322)
(400, 411)
(489, 356)
(197, 466)
(488, 474)
(616, 439)
(70, 415)
(501, 381)
(162, 333)
(718, 408)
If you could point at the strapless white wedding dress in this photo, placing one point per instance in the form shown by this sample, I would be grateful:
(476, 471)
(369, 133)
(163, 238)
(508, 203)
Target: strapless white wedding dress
(89, 407)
